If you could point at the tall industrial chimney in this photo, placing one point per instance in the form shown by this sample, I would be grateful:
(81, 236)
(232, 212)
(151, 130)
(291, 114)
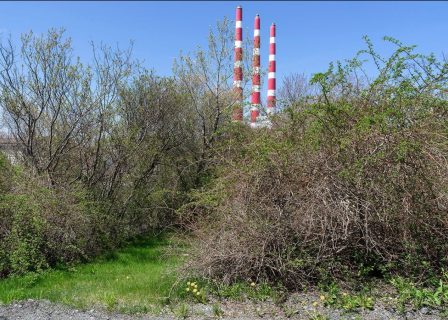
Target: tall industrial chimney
(255, 108)
(271, 73)
(238, 66)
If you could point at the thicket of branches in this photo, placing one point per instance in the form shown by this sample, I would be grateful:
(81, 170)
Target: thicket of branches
(110, 149)
(352, 180)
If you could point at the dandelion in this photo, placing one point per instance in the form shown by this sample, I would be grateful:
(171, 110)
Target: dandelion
(322, 298)
(188, 289)
(188, 283)
(253, 284)
(195, 290)
(198, 293)
(315, 303)
(344, 294)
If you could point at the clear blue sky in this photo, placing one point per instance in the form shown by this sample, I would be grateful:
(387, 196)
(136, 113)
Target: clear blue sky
(309, 34)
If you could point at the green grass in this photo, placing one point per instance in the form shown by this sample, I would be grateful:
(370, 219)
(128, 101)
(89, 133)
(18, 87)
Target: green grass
(133, 279)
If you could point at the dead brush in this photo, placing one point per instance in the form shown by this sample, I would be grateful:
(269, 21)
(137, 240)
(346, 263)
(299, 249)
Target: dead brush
(353, 184)
(306, 212)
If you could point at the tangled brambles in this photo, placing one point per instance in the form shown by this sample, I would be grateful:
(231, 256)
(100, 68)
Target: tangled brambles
(352, 182)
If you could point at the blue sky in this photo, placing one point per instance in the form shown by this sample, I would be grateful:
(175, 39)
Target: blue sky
(309, 34)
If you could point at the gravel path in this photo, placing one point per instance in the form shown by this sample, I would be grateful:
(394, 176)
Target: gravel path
(299, 307)
(45, 310)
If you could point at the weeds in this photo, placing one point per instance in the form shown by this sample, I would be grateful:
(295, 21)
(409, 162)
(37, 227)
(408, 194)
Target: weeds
(317, 316)
(217, 311)
(241, 291)
(417, 296)
(334, 297)
(196, 292)
(182, 311)
(290, 311)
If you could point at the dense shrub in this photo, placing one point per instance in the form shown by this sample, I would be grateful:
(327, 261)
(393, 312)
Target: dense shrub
(6, 172)
(108, 150)
(351, 181)
(42, 226)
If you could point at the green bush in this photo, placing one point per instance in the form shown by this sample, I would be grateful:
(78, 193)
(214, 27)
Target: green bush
(42, 226)
(6, 174)
(25, 241)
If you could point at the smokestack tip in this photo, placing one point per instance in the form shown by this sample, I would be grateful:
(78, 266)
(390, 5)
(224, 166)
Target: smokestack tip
(239, 7)
(273, 23)
(257, 15)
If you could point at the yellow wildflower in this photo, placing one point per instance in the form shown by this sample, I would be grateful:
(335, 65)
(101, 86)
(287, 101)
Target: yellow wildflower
(322, 298)
(188, 289)
(253, 284)
(195, 290)
(315, 303)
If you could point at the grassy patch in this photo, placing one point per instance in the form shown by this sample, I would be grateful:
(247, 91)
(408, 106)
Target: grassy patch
(133, 279)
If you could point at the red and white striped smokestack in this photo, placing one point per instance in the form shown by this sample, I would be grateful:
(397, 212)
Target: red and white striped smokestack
(238, 66)
(271, 72)
(255, 109)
